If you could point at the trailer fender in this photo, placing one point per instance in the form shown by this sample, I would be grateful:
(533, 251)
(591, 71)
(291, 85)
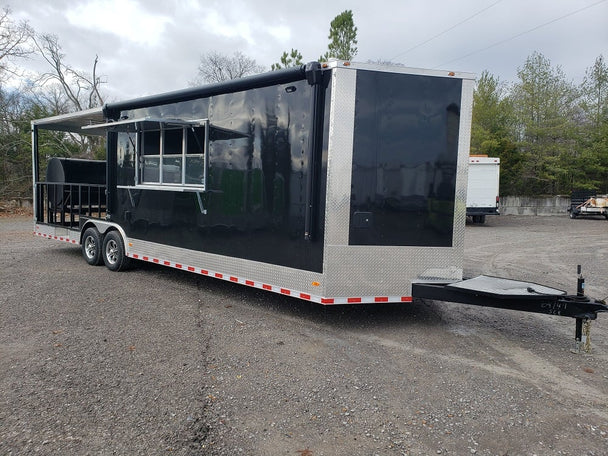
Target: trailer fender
(103, 227)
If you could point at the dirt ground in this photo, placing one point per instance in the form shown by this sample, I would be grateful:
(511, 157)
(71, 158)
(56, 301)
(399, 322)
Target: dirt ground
(155, 361)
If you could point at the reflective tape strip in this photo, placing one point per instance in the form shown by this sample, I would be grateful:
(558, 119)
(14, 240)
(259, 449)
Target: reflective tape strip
(56, 238)
(276, 289)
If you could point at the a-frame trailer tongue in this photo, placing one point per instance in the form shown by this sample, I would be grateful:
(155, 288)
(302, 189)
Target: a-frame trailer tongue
(523, 296)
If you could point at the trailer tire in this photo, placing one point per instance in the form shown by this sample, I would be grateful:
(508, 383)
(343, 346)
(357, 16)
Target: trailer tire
(91, 246)
(114, 252)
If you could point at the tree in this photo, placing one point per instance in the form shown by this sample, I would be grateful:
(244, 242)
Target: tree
(546, 112)
(343, 38)
(15, 43)
(15, 148)
(60, 90)
(65, 89)
(492, 130)
(594, 130)
(82, 90)
(595, 92)
(218, 67)
(294, 58)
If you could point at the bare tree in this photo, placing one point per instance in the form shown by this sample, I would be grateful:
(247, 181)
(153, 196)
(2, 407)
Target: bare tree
(66, 89)
(218, 67)
(80, 89)
(15, 42)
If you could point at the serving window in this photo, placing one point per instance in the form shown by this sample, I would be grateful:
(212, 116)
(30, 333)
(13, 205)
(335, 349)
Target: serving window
(173, 156)
(168, 153)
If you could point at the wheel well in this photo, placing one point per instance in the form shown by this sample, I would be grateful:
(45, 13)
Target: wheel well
(103, 228)
(85, 227)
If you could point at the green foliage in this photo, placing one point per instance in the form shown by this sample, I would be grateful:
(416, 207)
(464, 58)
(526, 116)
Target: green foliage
(15, 145)
(547, 111)
(492, 132)
(551, 136)
(343, 38)
(595, 95)
(294, 58)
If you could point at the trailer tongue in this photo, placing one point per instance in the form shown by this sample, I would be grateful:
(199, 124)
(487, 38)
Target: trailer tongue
(517, 295)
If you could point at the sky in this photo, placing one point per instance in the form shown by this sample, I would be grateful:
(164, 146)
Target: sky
(152, 46)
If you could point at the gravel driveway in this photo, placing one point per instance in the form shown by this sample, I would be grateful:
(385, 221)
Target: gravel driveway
(156, 361)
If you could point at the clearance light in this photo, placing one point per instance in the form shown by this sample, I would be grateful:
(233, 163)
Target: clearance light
(346, 64)
(315, 284)
(451, 73)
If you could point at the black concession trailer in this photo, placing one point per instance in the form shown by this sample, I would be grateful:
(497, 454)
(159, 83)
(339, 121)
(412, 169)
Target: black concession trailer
(335, 183)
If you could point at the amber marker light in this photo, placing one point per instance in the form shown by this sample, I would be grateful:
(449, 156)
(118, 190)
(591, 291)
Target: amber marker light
(315, 284)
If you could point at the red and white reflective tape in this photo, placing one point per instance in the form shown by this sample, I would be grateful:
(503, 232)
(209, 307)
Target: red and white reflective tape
(56, 238)
(252, 283)
(276, 289)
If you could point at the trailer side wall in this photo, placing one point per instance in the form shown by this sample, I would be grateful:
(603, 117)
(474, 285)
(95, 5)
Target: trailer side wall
(256, 197)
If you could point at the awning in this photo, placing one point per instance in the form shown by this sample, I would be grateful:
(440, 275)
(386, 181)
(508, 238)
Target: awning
(73, 122)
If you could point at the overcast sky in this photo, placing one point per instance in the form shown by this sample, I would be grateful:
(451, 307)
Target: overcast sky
(153, 46)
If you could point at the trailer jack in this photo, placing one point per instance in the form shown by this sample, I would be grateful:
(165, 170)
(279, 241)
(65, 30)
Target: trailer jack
(502, 293)
(582, 337)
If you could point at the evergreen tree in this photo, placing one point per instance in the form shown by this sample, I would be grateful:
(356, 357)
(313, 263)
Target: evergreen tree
(492, 131)
(343, 38)
(593, 139)
(294, 58)
(546, 110)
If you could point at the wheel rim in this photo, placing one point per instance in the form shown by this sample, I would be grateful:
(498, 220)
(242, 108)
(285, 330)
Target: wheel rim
(90, 247)
(112, 251)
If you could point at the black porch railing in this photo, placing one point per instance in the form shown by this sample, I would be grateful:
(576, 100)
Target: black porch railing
(65, 204)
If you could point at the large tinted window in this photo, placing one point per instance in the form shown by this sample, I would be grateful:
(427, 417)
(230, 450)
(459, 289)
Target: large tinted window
(404, 159)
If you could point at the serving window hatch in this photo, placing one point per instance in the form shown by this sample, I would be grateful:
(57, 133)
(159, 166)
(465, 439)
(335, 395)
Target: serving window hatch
(166, 154)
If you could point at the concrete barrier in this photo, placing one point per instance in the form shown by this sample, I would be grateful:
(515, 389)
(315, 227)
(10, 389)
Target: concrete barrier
(528, 205)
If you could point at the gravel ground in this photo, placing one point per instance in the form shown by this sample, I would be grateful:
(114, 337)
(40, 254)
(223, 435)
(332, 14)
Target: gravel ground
(156, 361)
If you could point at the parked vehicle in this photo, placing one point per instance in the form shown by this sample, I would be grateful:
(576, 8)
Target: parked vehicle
(583, 203)
(482, 188)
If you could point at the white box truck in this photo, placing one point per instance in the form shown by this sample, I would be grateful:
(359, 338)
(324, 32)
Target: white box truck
(482, 187)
